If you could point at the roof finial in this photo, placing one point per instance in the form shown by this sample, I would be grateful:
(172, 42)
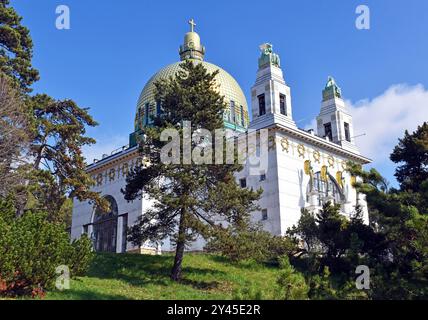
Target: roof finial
(192, 25)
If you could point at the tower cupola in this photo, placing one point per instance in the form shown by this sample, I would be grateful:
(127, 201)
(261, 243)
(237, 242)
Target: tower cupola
(192, 47)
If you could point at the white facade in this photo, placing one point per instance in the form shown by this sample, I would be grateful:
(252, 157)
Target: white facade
(304, 169)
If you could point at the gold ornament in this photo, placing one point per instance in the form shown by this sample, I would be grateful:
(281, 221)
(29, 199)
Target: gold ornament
(125, 169)
(324, 173)
(301, 150)
(339, 178)
(99, 179)
(317, 156)
(330, 161)
(308, 167)
(112, 174)
(271, 143)
(285, 144)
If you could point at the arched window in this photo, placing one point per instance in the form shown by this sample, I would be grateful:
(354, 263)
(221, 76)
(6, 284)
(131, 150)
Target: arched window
(105, 227)
(327, 190)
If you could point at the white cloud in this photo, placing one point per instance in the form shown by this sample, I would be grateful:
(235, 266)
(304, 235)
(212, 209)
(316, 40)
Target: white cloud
(104, 145)
(385, 118)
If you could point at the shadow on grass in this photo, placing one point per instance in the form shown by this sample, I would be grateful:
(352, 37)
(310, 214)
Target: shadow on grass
(91, 295)
(200, 285)
(141, 270)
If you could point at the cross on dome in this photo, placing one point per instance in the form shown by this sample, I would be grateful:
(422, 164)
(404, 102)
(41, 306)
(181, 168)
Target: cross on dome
(192, 24)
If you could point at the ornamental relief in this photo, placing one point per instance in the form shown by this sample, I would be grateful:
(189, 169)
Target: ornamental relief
(304, 152)
(120, 171)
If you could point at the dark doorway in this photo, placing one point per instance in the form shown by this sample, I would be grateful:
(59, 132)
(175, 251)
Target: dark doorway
(105, 228)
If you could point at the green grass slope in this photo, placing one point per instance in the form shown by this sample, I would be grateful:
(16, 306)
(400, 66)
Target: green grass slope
(129, 276)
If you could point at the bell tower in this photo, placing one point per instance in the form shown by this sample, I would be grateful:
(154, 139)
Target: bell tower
(270, 95)
(334, 122)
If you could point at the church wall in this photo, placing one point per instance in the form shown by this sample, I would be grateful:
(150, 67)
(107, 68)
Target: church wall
(110, 179)
(293, 182)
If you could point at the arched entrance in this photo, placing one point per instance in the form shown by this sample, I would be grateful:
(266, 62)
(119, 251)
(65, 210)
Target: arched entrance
(105, 228)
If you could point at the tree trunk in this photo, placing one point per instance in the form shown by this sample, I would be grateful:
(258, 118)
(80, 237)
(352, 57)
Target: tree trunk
(179, 251)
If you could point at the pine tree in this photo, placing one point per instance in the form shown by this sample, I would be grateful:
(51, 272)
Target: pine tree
(16, 48)
(412, 153)
(189, 198)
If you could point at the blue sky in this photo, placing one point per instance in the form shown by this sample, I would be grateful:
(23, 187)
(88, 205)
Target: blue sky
(113, 48)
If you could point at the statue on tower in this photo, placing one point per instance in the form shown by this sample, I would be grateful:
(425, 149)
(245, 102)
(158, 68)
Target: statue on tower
(268, 57)
(331, 90)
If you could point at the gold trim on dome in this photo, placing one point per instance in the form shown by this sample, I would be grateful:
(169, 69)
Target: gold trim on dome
(228, 87)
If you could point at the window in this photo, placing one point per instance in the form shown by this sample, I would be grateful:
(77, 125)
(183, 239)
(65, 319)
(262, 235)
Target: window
(326, 190)
(86, 229)
(158, 108)
(263, 177)
(327, 131)
(262, 105)
(146, 114)
(243, 182)
(264, 214)
(242, 117)
(347, 134)
(232, 111)
(282, 104)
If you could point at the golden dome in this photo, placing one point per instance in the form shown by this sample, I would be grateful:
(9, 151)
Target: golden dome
(228, 87)
(235, 116)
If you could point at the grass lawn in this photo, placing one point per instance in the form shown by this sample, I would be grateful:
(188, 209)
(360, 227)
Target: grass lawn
(131, 276)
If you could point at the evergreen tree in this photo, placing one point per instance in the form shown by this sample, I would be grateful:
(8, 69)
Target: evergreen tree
(42, 138)
(292, 285)
(412, 153)
(16, 49)
(189, 198)
(57, 131)
(399, 218)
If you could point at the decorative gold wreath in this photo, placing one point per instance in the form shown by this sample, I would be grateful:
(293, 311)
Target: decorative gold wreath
(317, 156)
(125, 169)
(301, 150)
(330, 161)
(271, 143)
(112, 174)
(285, 144)
(99, 179)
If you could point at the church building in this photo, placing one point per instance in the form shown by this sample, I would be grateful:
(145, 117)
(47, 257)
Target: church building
(305, 168)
